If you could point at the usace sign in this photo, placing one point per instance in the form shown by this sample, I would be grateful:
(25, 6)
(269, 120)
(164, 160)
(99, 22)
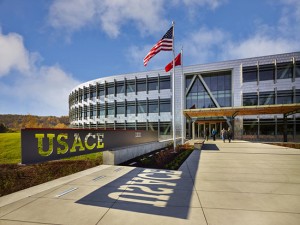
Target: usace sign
(40, 145)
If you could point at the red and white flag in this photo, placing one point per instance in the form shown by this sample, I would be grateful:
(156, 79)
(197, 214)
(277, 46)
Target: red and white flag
(177, 63)
(164, 44)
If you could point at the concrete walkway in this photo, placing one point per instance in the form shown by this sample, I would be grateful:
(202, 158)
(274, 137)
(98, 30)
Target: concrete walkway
(225, 183)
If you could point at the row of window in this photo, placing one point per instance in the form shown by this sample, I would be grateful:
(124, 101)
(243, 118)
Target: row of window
(270, 126)
(164, 128)
(271, 97)
(271, 71)
(120, 108)
(120, 88)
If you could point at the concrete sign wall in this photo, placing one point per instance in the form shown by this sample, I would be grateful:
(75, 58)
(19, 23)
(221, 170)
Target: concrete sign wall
(40, 145)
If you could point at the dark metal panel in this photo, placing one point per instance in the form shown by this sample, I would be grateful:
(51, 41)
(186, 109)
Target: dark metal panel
(40, 145)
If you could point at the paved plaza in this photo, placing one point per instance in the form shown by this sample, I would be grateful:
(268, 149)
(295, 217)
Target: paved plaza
(223, 184)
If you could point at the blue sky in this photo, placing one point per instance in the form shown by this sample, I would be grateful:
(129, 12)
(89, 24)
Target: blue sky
(49, 47)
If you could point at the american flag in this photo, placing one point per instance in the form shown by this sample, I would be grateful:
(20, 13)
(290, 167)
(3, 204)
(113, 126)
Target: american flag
(164, 44)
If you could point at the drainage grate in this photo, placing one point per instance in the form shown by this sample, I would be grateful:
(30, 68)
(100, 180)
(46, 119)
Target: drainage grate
(66, 192)
(98, 178)
(117, 170)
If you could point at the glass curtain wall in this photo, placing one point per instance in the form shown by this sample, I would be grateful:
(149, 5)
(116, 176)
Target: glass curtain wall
(218, 83)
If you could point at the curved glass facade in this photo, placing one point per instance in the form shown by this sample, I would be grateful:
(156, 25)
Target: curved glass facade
(142, 103)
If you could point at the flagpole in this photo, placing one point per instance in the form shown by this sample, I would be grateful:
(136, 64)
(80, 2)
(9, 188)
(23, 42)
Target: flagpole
(182, 98)
(173, 91)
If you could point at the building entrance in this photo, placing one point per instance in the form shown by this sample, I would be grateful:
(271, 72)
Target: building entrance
(199, 128)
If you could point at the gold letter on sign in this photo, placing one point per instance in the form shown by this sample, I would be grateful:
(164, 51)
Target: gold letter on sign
(40, 138)
(62, 143)
(77, 143)
(89, 147)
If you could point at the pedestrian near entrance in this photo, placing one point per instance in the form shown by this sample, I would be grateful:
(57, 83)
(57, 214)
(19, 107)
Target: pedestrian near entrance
(213, 133)
(206, 133)
(229, 134)
(223, 134)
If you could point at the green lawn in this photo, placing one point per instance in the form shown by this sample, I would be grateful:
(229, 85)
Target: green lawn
(10, 149)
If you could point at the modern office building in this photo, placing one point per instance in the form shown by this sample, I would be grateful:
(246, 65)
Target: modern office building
(259, 98)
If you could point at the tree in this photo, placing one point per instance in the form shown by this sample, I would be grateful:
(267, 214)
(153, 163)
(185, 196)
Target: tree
(30, 121)
(3, 128)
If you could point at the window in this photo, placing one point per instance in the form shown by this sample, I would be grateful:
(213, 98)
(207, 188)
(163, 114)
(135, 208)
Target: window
(250, 74)
(76, 96)
(297, 126)
(142, 107)
(80, 113)
(153, 126)
(98, 110)
(227, 82)
(120, 87)
(284, 97)
(110, 109)
(80, 95)
(120, 108)
(188, 80)
(85, 112)
(267, 98)
(219, 84)
(196, 95)
(250, 127)
(165, 128)
(92, 92)
(153, 106)
(152, 84)
(267, 127)
(141, 85)
(250, 99)
(297, 66)
(93, 111)
(100, 91)
(110, 89)
(164, 83)
(130, 108)
(165, 105)
(130, 86)
(297, 94)
(85, 96)
(284, 70)
(266, 72)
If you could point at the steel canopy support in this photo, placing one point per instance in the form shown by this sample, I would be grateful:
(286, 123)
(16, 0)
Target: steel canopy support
(284, 127)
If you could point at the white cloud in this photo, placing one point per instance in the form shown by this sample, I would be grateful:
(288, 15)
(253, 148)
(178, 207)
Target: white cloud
(39, 90)
(258, 46)
(13, 55)
(210, 3)
(111, 15)
(71, 15)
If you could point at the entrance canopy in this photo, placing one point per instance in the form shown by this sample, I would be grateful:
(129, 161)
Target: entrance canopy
(286, 109)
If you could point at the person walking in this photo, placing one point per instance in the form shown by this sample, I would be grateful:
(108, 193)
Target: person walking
(223, 134)
(213, 133)
(229, 134)
(206, 133)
